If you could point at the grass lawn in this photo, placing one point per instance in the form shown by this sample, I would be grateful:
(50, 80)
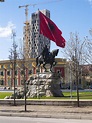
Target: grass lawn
(4, 94)
(82, 95)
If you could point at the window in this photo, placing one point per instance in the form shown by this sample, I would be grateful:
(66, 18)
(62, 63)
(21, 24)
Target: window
(2, 73)
(1, 82)
(16, 82)
(8, 73)
(16, 72)
(22, 72)
(30, 72)
(22, 82)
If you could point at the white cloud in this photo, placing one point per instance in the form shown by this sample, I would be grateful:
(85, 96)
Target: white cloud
(6, 31)
(90, 1)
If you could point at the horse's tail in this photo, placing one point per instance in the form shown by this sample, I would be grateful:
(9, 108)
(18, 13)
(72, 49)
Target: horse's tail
(36, 61)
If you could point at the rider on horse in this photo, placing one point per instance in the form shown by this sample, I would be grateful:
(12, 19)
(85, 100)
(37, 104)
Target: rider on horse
(45, 53)
(47, 57)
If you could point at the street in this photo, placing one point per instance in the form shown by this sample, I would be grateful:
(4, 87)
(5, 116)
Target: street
(4, 119)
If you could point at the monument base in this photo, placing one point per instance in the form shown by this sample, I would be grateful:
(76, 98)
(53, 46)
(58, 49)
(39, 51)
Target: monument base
(45, 84)
(42, 84)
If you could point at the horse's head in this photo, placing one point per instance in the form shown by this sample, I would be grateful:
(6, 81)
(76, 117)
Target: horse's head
(55, 52)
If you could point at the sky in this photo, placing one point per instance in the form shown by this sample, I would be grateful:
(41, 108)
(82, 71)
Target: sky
(68, 15)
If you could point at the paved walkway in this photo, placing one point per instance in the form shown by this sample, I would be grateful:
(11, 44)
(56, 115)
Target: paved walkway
(68, 112)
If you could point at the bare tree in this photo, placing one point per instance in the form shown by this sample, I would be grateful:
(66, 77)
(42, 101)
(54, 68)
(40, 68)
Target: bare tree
(88, 50)
(88, 59)
(75, 54)
(75, 48)
(13, 57)
(90, 31)
(23, 61)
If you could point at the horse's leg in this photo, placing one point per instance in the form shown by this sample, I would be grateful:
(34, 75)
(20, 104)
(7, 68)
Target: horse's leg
(54, 63)
(44, 67)
(51, 65)
(37, 61)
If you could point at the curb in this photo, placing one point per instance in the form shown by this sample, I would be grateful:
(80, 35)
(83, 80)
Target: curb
(60, 116)
(47, 102)
(65, 114)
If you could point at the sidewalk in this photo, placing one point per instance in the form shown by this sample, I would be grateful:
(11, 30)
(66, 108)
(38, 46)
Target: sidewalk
(64, 112)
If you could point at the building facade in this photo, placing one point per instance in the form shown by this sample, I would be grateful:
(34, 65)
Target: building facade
(33, 40)
(67, 76)
(7, 72)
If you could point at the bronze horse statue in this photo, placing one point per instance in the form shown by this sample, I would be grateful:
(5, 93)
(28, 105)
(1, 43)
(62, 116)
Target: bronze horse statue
(50, 60)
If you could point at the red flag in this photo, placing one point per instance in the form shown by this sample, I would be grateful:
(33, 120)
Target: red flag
(49, 29)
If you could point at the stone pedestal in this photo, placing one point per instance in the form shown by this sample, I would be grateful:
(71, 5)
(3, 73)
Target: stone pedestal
(41, 84)
(44, 84)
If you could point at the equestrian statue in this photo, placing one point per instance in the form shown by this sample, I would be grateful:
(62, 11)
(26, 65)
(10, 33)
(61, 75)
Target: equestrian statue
(47, 57)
